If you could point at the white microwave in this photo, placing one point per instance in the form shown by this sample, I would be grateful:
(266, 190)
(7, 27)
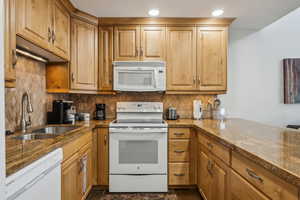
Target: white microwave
(139, 76)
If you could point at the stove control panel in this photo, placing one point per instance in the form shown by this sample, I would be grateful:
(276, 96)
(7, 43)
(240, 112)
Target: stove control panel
(140, 107)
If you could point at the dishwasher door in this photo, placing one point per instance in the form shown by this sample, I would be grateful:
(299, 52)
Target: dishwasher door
(40, 180)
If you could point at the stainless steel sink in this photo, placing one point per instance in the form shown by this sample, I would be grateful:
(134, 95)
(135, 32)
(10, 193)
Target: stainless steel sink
(32, 136)
(46, 133)
(56, 130)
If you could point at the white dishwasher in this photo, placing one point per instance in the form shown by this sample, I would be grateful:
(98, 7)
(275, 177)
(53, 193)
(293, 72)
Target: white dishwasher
(39, 180)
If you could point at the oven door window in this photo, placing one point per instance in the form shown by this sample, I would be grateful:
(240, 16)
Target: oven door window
(138, 152)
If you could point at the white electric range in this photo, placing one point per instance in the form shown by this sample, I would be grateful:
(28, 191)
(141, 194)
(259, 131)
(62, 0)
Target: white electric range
(138, 145)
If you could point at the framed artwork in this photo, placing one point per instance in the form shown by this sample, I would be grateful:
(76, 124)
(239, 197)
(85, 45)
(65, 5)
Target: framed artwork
(291, 70)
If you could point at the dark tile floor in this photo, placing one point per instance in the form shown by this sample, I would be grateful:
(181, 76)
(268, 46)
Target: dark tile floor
(187, 194)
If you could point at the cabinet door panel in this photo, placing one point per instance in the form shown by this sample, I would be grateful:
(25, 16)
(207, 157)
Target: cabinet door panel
(10, 44)
(127, 43)
(181, 58)
(204, 176)
(61, 28)
(212, 58)
(105, 58)
(34, 21)
(70, 179)
(84, 61)
(241, 190)
(153, 40)
(103, 156)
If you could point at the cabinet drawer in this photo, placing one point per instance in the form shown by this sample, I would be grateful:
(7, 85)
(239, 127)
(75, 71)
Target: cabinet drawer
(179, 150)
(217, 149)
(179, 133)
(242, 190)
(179, 174)
(265, 181)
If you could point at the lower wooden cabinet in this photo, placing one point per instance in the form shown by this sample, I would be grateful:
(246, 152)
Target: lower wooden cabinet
(179, 174)
(103, 157)
(242, 190)
(213, 176)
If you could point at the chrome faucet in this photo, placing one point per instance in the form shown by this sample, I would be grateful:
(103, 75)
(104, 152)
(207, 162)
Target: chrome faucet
(24, 122)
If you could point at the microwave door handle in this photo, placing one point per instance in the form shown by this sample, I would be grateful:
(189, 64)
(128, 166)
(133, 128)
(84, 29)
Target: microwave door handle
(155, 78)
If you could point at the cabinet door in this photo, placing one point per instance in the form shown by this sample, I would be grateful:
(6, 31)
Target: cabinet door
(105, 58)
(220, 174)
(86, 171)
(10, 44)
(212, 58)
(181, 58)
(240, 189)
(103, 156)
(205, 179)
(84, 58)
(153, 39)
(61, 30)
(34, 21)
(127, 43)
(70, 179)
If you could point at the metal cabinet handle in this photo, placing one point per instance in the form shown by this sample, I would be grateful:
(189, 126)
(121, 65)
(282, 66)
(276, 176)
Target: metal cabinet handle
(198, 80)
(53, 36)
(142, 51)
(179, 151)
(179, 134)
(49, 34)
(210, 145)
(194, 80)
(210, 166)
(80, 166)
(253, 175)
(179, 174)
(73, 77)
(105, 139)
(137, 52)
(14, 58)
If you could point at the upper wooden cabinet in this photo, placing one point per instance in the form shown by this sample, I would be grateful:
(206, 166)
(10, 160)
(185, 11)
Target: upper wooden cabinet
(45, 23)
(61, 30)
(84, 58)
(10, 44)
(212, 58)
(139, 43)
(106, 58)
(127, 43)
(181, 58)
(153, 45)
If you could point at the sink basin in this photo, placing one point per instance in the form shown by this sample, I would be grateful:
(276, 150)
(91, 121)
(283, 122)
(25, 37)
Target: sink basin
(31, 136)
(46, 133)
(56, 130)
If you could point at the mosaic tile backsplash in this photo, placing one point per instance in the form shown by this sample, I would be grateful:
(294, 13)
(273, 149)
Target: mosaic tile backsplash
(31, 78)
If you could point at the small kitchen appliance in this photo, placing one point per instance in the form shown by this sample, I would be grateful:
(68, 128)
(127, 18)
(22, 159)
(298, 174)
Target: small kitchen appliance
(63, 112)
(139, 76)
(197, 111)
(172, 114)
(138, 148)
(100, 112)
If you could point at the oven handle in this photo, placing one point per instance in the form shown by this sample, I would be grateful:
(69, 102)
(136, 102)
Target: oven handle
(139, 131)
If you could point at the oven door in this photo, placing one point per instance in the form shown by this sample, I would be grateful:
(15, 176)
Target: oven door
(138, 152)
(138, 79)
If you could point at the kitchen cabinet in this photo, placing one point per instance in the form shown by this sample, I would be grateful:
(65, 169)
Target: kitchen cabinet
(181, 58)
(10, 44)
(127, 43)
(46, 24)
(214, 176)
(136, 42)
(61, 30)
(153, 39)
(106, 58)
(212, 58)
(103, 156)
(84, 58)
(242, 190)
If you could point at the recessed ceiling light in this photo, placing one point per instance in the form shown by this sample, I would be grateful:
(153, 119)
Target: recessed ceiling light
(217, 13)
(153, 12)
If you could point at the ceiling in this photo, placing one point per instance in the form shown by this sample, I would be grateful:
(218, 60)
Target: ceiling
(250, 14)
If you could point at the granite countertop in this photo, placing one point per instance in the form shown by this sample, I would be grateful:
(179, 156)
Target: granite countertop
(20, 153)
(275, 149)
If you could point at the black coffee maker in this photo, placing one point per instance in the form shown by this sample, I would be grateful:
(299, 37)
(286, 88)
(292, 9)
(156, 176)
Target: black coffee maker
(61, 113)
(100, 112)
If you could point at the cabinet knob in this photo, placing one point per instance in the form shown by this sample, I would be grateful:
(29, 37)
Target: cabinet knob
(142, 52)
(253, 175)
(49, 34)
(14, 58)
(53, 36)
(179, 151)
(73, 77)
(178, 134)
(179, 174)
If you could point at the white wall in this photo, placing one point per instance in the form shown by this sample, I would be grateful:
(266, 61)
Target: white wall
(2, 135)
(255, 86)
